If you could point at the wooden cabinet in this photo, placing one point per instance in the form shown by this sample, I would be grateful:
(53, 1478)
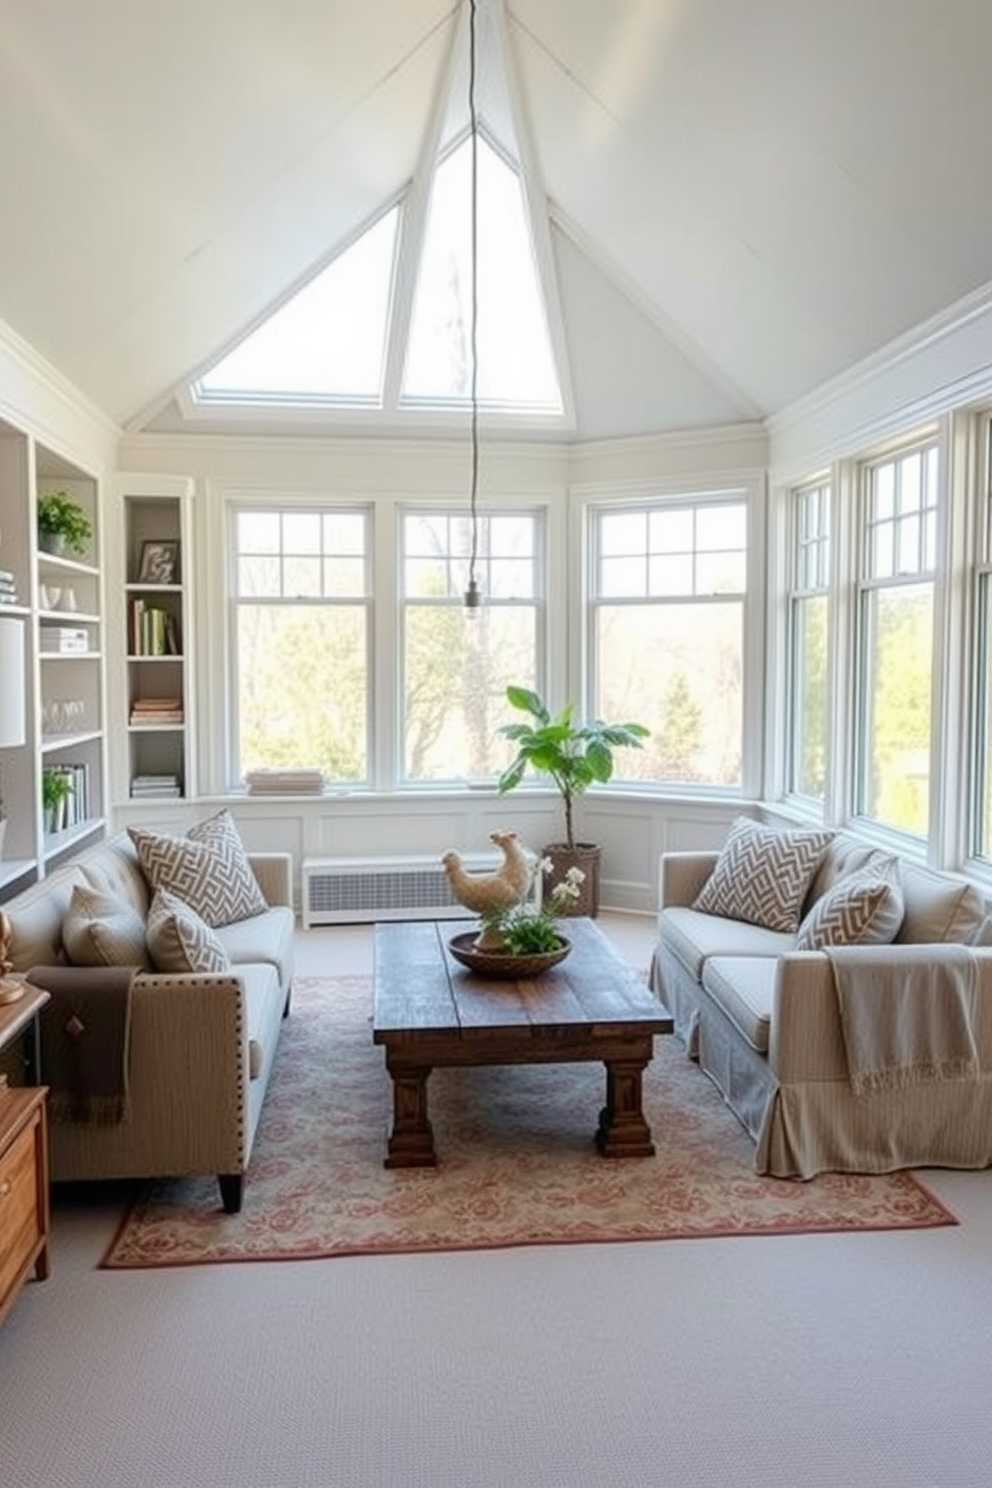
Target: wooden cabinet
(24, 1210)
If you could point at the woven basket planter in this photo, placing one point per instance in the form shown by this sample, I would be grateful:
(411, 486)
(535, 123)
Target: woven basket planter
(584, 855)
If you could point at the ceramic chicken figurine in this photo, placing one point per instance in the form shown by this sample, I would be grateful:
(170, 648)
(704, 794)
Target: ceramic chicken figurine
(484, 893)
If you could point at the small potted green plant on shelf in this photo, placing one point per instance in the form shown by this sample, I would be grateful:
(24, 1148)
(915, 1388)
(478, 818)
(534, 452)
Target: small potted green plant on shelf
(56, 788)
(575, 756)
(63, 525)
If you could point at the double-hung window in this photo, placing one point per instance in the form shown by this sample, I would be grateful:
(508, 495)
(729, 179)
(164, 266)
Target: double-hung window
(807, 710)
(667, 591)
(302, 627)
(981, 766)
(457, 664)
(896, 635)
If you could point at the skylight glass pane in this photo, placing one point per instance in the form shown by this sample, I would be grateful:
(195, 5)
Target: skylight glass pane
(327, 342)
(516, 367)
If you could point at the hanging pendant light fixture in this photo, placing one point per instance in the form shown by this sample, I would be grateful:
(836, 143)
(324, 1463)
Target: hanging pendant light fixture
(473, 596)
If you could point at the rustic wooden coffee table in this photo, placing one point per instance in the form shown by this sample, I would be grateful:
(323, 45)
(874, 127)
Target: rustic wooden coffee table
(431, 1012)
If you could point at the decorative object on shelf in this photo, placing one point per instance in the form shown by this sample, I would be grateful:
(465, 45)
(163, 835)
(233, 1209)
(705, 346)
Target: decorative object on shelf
(159, 562)
(505, 965)
(575, 756)
(56, 788)
(502, 889)
(8, 587)
(13, 715)
(63, 525)
(11, 988)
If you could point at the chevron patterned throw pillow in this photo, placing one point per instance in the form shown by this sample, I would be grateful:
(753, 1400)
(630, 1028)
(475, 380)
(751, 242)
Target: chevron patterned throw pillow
(863, 908)
(208, 869)
(178, 939)
(762, 875)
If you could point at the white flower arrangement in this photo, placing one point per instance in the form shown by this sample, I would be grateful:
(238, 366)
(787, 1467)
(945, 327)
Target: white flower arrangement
(521, 930)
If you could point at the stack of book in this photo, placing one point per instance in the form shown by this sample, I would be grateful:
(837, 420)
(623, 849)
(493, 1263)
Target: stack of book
(289, 782)
(156, 785)
(146, 711)
(8, 587)
(154, 631)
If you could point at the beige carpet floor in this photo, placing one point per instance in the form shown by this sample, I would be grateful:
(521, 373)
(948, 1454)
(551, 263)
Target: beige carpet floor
(517, 1165)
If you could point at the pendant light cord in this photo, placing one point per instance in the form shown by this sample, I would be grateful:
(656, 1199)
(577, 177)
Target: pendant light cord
(472, 597)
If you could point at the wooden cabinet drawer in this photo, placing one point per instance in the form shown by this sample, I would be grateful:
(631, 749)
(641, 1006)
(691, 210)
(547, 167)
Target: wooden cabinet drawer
(23, 1191)
(20, 1222)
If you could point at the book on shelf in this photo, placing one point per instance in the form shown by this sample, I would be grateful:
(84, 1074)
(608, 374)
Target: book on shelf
(154, 631)
(305, 781)
(157, 710)
(156, 785)
(74, 808)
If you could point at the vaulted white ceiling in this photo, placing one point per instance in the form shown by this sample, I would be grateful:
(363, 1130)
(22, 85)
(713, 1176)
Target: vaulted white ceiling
(744, 198)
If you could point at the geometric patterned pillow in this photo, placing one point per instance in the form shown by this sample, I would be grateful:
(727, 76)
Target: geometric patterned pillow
(210, 872)
(98, 930)
(864, 908)
(762, 875)
(178, 939)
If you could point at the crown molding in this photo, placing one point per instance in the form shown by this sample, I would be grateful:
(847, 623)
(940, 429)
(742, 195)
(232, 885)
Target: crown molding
(941, 364)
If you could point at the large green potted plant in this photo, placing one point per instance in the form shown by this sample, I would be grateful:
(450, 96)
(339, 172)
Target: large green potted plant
(63, 525)
(574, 756)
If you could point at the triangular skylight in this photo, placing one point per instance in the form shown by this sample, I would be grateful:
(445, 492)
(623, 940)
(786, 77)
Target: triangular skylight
(516, 365)
(386, 325)
(328, 343)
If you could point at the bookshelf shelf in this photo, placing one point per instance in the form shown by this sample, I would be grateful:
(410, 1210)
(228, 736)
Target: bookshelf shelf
(157, 669)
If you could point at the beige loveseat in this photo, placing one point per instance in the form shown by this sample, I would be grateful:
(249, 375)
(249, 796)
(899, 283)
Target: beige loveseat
(201, 1045)
(764, 1021)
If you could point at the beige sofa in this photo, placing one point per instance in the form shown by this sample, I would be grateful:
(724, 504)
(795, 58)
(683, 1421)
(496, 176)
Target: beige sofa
(764, 1021)
(201, 1045)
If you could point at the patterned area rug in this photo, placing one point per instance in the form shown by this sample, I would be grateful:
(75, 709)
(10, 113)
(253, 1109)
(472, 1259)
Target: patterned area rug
(517, 1165)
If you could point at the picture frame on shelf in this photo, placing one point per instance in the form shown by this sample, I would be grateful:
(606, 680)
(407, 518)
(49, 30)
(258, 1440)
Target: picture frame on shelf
(159, 561)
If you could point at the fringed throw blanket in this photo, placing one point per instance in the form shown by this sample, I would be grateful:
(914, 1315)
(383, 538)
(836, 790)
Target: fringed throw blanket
(85, 1032)
(908, 1017)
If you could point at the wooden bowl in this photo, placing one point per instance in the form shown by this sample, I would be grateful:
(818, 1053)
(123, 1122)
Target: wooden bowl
(504, 964)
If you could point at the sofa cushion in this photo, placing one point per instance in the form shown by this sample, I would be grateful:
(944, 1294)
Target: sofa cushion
(113, 868)
(863, 908)
(208, 869)
(939, 907)
(264, 937)
(692, 937)
(762, 875)
(744, 988)
(99, 930)
(178, 939)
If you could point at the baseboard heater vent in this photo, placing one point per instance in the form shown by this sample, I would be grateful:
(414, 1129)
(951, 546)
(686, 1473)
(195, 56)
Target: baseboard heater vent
(338, 891)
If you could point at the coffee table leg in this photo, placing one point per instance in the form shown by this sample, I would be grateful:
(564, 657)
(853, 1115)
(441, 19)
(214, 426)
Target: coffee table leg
(411, 1141)
(623, 1131)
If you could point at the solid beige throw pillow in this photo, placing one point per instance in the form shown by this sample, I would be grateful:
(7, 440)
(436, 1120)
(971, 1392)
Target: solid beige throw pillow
(99, 930)
(763, 875)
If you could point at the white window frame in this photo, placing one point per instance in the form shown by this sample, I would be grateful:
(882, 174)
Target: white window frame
(867, 584)
(538, 602)
(746, 487)
(822, 543)
(282, 506)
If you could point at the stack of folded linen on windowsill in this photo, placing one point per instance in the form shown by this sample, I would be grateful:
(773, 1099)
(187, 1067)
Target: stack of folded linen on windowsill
(271, 782)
